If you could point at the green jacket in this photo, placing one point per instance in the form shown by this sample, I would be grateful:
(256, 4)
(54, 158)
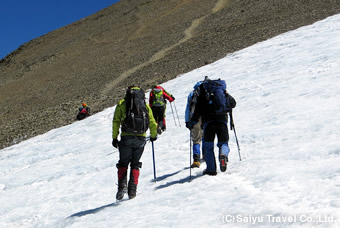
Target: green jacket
(119, 117)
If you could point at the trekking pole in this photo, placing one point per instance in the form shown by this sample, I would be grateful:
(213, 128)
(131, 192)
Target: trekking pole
(232, 127)
(153, 157)
(177, 115)
(173, 115)
(190, 155)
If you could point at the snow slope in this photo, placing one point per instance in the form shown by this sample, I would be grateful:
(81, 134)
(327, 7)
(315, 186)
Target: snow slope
(287, 121)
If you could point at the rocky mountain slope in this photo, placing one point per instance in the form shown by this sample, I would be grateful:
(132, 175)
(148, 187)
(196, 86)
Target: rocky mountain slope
(142, 42)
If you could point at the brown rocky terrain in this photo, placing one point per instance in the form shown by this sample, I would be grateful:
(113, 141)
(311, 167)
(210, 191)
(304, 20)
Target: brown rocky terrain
(142, 42)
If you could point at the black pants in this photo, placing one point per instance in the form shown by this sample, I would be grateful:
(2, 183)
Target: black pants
(81, 116)
(210, 129)
(216, 128)
(130, 151)
(158, 114)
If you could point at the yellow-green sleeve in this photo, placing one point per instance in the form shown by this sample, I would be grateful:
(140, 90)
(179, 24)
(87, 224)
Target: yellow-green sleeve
(152, 124)
(118, 117)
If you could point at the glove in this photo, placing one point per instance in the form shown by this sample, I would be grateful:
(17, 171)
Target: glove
(190, 124)
(152, 139)
(173, 97)
(115, 143)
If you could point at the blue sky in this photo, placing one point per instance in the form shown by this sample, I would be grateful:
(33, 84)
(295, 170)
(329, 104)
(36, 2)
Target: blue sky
(24, 20)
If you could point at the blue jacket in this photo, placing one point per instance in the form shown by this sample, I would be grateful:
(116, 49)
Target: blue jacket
(188, 109)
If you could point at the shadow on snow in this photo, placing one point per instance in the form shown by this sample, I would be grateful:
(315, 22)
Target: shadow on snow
(167, 175)
(93, 211)
(180, 181)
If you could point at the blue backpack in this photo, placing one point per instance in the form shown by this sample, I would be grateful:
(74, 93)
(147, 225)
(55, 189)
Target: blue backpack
(215, 93)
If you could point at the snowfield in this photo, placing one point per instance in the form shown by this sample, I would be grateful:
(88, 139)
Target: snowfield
(287, 123)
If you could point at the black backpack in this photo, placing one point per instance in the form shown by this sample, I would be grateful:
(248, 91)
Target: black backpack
(194, 100)
(137, 116)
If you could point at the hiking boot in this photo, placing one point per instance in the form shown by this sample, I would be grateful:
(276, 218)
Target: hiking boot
(132, 191)
(223, 162)
(210, 173)
(159, 131)
(121, 191)
(195, 164)
(122, 182)
(133, 182)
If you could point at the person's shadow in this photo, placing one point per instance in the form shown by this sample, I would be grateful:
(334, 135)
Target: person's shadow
(167, 175)
(180, 181)
(93, 211)
(115, 204)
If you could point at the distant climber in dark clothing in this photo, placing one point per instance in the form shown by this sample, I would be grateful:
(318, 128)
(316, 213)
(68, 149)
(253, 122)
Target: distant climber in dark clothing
(84, 112)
